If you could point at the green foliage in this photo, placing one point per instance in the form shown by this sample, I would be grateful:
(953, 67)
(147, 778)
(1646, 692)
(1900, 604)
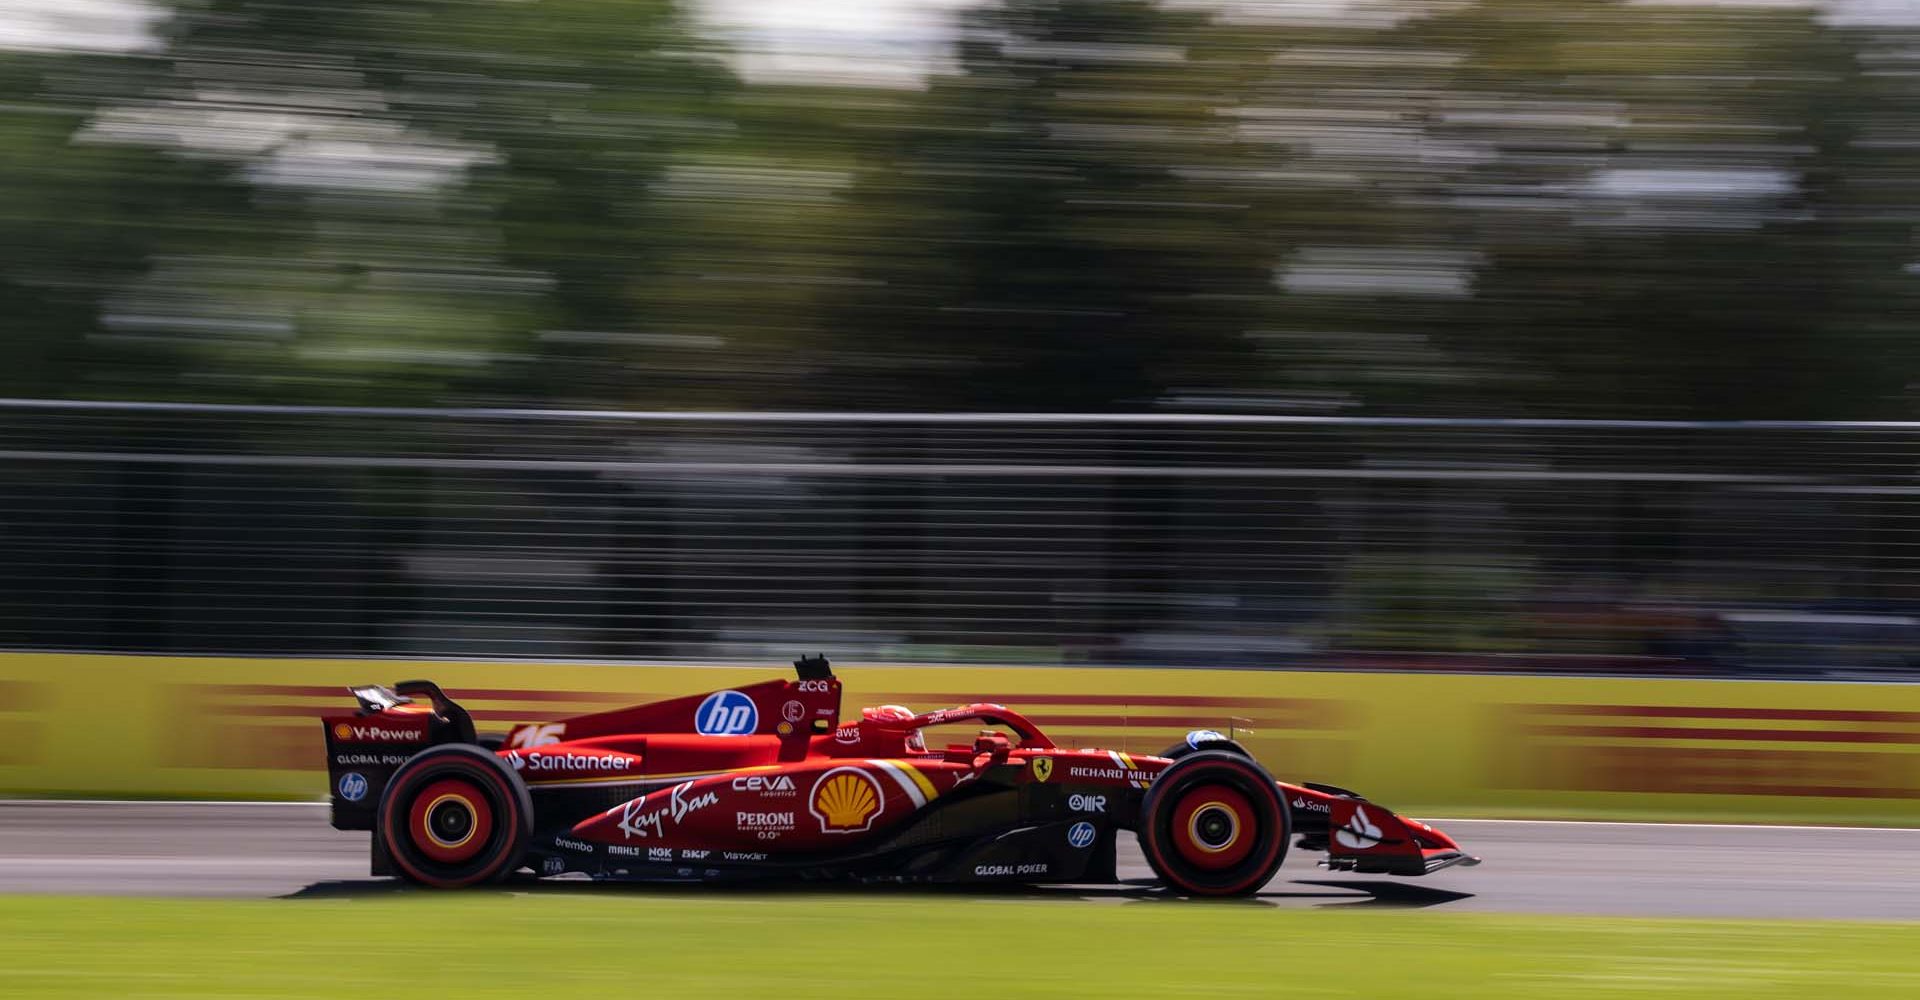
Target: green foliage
(1578, 207)
(488, 944)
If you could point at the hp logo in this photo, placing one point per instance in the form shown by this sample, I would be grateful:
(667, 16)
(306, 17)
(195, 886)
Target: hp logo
(1080, 835)
(353, 786)
(726, 713)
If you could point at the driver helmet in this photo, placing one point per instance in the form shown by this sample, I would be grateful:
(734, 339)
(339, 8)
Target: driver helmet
(897, 713)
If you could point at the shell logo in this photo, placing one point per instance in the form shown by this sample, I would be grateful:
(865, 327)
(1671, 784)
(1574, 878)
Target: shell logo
(342, 731)
(846, 800)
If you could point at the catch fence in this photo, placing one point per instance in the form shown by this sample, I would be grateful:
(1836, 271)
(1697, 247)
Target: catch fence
(1121, 539)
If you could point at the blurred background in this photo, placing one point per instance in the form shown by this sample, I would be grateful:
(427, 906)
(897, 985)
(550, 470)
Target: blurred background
(1572, 336)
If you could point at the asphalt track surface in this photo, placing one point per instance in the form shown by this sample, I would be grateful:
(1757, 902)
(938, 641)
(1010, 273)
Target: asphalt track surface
(288, 850)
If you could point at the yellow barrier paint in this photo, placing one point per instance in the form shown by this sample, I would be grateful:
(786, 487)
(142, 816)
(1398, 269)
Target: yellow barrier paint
(1426, 744)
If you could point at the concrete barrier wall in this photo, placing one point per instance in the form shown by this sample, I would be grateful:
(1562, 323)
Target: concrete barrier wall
(1428, 744)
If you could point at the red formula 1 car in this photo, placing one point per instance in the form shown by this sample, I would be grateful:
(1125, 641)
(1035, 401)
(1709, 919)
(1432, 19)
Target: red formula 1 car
(764, 781)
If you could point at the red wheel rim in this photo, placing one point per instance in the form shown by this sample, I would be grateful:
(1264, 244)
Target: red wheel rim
(450, 820)
(1214, 827)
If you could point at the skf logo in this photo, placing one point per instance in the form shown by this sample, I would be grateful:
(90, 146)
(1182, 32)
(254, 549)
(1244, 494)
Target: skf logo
(1042, 768)
(846, 800)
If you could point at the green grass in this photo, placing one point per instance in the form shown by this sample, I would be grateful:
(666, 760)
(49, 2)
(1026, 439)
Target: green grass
(732, 946)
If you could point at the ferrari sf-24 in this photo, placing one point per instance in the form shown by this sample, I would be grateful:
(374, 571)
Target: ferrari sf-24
(767, 781)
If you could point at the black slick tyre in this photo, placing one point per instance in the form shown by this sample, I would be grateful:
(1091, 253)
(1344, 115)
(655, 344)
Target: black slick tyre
(455, 815)
(1214, 824)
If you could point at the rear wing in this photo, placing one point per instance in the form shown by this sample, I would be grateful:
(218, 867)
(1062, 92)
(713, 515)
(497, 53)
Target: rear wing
(365, 748)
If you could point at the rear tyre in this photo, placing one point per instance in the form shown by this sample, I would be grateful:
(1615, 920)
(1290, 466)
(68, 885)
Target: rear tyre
(455, 815)
(1214, 824)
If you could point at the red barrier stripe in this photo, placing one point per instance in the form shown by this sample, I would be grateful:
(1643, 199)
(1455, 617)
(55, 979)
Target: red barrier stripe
(278, 690)
(1179, 721)
(1012, 700)
(464, 694)
(1685, 712)
(1777, 735)
(283, 710)
(1805, 791)
(21, 696)
(635, 698)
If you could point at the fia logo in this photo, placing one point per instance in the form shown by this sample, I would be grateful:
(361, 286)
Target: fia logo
(726, 713)
(1080, 835)
(353, 786)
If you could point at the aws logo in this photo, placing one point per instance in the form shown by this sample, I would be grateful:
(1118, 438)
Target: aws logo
(846, 800)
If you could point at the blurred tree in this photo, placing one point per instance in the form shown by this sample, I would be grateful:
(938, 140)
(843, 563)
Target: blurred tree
(79, 221)
(1041, 232)
(420, 194)
(1657, 212)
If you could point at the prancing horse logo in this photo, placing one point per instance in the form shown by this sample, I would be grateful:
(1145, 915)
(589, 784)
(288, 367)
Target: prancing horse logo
(1042, 768)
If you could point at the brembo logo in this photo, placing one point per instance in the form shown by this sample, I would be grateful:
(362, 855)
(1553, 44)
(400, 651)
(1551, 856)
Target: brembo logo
(374, 734)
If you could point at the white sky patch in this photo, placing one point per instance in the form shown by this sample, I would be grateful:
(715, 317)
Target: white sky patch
(1866, 13)
(1753, 4)
(79, 25)
(878, 42)
(1324, 13)
(367, 156)
(291, 149)
(1418, 273)
(1750, 182)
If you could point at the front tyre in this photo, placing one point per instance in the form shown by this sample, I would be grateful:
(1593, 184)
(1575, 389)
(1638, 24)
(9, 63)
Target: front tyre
(1214, 824)
(455, 815)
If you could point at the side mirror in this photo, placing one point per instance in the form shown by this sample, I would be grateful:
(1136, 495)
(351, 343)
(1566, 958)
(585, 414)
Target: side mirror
(990, 748)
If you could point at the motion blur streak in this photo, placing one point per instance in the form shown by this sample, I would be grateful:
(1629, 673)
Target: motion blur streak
(1428, 207)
